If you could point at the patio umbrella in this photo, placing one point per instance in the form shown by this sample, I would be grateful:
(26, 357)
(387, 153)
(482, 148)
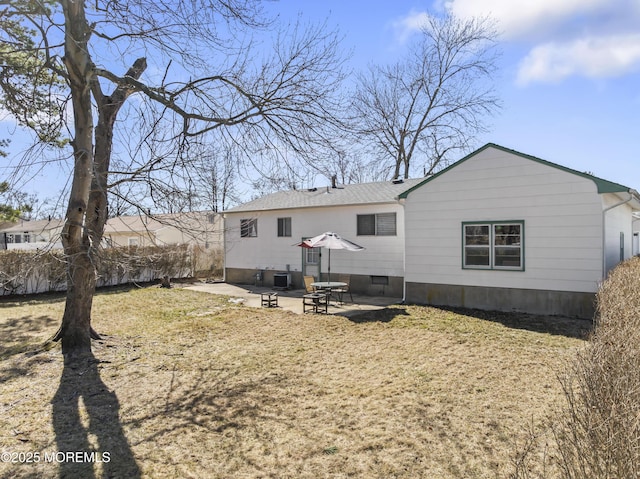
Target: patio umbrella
(330, 241)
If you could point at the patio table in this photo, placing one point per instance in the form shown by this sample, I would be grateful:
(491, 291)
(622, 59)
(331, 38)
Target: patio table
(328, 286)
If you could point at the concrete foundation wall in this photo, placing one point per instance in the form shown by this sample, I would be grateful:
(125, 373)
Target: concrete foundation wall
(265, 278)
(359, 284)
(563, 303)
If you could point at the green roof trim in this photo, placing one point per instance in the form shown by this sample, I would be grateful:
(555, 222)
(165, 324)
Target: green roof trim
(603, 186)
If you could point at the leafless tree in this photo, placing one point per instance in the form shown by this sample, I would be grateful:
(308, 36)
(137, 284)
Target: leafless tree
(217, 180)
(164, 73)
(417, 113)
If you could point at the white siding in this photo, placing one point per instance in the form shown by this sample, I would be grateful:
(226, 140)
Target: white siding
(618, 220)
(562, 216)
(383, 254)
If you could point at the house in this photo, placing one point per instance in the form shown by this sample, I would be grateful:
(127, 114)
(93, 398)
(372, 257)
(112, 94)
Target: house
(260, 236)
(31, 234)
(204, 228)
(635, 248)
(502, 230)
(497, 230)
(203, 231)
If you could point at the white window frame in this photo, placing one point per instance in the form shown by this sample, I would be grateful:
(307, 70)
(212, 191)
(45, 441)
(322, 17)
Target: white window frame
(492, 246)
(313, 255)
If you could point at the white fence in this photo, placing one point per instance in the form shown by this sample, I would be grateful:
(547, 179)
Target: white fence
(39, 245)
(29, 272)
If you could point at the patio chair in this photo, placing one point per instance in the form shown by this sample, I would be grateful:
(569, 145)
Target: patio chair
(315, 302)
(340, 292)
(307, 284)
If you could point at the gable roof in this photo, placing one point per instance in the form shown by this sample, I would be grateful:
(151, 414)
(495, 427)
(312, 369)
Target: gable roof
(38, 226)
(353, 194)
(603, 186)
(119, 224)
(154, 223)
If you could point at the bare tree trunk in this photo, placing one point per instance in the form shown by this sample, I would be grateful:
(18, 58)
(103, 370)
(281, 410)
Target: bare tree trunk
(87, 210)
(75, 331)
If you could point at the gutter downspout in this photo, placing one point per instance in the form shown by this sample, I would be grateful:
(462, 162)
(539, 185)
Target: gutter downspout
(224, 247)
(604, 229)
(404, 252)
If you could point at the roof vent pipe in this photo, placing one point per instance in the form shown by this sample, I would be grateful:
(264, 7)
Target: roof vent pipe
(334, 181)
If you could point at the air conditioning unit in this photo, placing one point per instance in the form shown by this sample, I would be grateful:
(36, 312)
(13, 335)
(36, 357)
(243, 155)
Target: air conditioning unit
(282, 280)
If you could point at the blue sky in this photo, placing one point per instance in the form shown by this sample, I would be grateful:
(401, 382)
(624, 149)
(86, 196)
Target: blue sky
(569, 76)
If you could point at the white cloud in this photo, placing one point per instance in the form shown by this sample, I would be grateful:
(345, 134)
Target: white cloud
(596, 57)
(411, 23)
(521, 18)
(564, 38)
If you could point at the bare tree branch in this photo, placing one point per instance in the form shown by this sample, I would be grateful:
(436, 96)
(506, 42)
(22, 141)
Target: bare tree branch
(432, 103)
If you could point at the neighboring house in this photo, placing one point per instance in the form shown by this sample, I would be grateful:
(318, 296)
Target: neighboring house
(501, 230)
(203, 228)
(27, 235)
(260, 236)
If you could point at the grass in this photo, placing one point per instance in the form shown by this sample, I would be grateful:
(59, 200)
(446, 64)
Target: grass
(186, 384)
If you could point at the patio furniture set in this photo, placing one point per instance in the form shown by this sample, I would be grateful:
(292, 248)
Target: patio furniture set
(318, 293)
(317, 297)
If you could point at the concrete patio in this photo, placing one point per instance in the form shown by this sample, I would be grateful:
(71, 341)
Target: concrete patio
(291, 300)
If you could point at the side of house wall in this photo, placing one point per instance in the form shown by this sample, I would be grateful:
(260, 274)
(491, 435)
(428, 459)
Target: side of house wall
(130, 238)
(619, 231)
(562, 224)
(635, 248)
(267, 253)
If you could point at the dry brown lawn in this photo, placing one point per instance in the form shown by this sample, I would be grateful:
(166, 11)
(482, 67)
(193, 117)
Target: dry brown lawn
(186, 384)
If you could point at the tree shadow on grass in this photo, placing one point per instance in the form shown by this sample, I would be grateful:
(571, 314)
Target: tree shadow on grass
(384, 315)
(555, 325)
(20, 335)
(93, 433)
(212, 401)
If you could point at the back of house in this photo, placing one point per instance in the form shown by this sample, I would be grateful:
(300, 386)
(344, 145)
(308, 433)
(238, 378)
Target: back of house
(260, 237)
(501, 230)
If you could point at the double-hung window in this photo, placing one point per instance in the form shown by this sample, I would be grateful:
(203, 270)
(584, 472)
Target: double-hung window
(284, 226)
(493, 245)
(381, 224)
(249, 228)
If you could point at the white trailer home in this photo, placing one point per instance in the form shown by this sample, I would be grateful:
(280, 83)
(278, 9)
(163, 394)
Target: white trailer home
(501, 230)
(260, 236)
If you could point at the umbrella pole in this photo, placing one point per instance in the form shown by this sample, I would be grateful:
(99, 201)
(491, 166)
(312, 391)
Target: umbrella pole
(329, 267)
